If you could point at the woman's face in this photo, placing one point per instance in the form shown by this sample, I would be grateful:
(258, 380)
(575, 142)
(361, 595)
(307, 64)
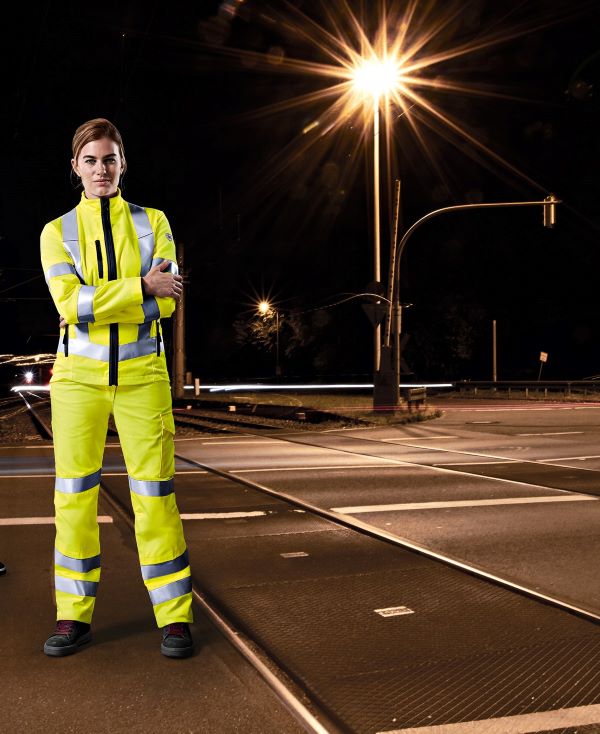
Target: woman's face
(99, 164)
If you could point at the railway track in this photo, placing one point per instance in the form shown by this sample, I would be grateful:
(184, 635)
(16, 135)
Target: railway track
(290, 689)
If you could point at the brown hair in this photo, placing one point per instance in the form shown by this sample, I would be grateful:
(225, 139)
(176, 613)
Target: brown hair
(94, 130)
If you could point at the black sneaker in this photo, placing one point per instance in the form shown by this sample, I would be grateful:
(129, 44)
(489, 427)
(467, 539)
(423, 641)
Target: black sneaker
(67, 638)
(177, 641)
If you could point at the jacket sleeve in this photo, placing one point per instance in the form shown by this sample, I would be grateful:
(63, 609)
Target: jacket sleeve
(152, 307)
(78, 303)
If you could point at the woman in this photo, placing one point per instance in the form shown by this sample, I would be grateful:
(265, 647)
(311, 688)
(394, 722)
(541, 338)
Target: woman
(112, 273)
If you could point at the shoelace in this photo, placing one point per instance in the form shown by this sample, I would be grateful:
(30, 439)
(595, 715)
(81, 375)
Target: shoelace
(64, 627)
(177, 629)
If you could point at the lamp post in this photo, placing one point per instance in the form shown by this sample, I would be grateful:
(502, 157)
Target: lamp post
(394, 305)
(264, 309)
(374, 78)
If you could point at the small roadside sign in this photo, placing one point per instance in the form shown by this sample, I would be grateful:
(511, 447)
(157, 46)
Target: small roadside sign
(543, 356)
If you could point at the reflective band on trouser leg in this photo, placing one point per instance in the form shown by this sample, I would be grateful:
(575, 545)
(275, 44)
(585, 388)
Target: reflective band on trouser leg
(75, 598)
(144, 419)
(172, 602)
(169, 585)
(77, 572)
(163, 557)
(79, 421)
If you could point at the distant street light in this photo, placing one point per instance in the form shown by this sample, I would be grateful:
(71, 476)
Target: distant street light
(394, 305)
(265, 309)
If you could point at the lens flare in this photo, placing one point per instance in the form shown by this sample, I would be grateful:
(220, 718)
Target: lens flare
(376, 77)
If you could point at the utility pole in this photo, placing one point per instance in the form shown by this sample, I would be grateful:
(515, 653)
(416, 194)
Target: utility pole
(494, 353)
(179, 334)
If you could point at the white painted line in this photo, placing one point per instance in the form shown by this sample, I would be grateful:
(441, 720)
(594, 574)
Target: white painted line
(519, 724)
(462, 503)
(480, 463)
(550, 433)
(42, 520)
(294, 554)
(418, 438)
(26, 476)
(393, 611)
(235, 441)
(19, 446)
(216, 438)
(571, 458)
(314, 468)
(220, 515)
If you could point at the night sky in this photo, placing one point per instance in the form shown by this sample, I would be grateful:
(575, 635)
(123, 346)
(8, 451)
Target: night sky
(198, 91)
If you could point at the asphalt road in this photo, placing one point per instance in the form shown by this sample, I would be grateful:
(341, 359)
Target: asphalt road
(510, 488)
(121, 682)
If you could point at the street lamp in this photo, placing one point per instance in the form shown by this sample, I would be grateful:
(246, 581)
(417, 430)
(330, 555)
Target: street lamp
(373, 78)
(265, 309)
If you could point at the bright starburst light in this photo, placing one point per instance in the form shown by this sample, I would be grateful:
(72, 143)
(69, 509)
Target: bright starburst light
(376, 77)
(404, 56)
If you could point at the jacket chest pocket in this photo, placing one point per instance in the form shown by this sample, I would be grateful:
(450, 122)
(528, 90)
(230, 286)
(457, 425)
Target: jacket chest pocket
(100, 261)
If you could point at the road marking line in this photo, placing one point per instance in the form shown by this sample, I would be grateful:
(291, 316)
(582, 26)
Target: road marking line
(219, 515)
(418, 438)
(215, 438)
(479, 463)
(571, 458)
(42, 520)
(313, 468)
(550, 433)
(236, 442)
(519, 724)
(461, 503)
(504, 459)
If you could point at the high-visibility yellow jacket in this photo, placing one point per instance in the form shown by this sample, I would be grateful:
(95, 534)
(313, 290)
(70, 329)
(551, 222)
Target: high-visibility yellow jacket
(93, 259)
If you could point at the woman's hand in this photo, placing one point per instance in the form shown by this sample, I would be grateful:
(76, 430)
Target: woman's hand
(62, 323)
(164, 285)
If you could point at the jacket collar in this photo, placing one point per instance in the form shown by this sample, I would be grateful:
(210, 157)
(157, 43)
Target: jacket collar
(116, 202)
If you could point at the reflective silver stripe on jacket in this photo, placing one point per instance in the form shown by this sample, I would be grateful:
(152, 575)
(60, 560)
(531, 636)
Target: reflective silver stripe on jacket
(151, 488)
(173, 267)
(153, 570)
(73, 586)
(83, 565)
(71, 239)
(59, 269)
(171, 591)
(151, 310)
(145, 235)
(85, 348)
(85, 303)
(77, 484)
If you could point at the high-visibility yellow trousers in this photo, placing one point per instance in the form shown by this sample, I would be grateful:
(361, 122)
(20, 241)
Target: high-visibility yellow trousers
(144, 419)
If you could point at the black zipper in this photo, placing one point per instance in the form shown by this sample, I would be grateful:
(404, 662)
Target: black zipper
(100, 263)
(113, 349)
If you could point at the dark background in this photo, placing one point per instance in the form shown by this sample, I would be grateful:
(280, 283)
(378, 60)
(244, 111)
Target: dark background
(262, 213)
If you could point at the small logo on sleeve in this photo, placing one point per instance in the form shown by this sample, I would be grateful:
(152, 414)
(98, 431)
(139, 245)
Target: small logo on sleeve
(169, 236)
